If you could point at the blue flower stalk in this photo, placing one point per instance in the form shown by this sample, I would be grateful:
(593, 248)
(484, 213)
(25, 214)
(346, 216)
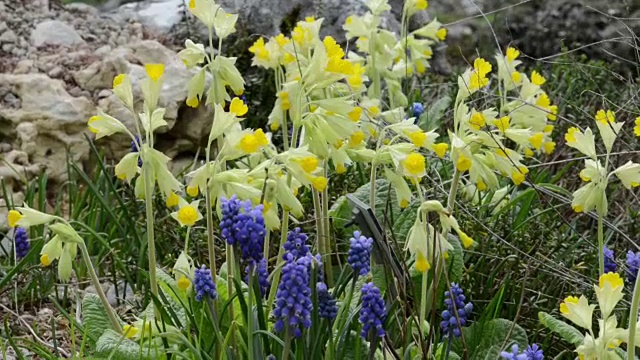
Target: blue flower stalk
(359, 256)
(204, 284)
(243, 226)
(373, 312)
(417, 109)
(532, 352)
(609, 261)
(449, 323)
(296, 244)
(327, 308)
(293, 298)
(21, 242)
(633, 264)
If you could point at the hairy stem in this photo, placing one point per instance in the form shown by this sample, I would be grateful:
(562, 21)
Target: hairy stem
(151, 242)
(600, 246)
(113, 319)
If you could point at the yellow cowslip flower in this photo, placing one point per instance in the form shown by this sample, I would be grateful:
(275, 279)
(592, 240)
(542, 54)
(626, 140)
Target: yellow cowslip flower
(283, 96)
(356, 139)
(282, 40)
(629, 174)
(502, 123)
(512, 54)
(536, 140)
(422, 264)
(238, 107)
(609, 292)
(548, 129)
(192, 191)
(333, 49)
(414, 165)
(441, 34)
(319, 183)
(193, 54)
(537, 79)
(418, 138)
(340, 169)
(183, 282)
(578, 311)
(129, 331)
(154, 71)
(355, 79)
(608, 127)
(309, 163)
(13, 218)
(172, 200)
(122, 89)
(636, 129)
(477, 121)
(463, 164)
(517, 177)
(105, 125)
(549, 147)
(259, 50)
(440, 149)
(516, 76)
(355, 114)
(251, 143)
(605, 118)
(481, 186)
(478, 77)
(188, 213)
(528, 152)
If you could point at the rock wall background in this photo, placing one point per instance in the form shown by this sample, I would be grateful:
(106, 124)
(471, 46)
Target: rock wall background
(57, 61)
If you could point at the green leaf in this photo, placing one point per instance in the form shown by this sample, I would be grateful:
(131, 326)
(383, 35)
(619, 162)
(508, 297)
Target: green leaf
(485, 340)
(340, 212)
(566, 331)
(117, 347)
(431, 118)
(405, 221)
(95, 317)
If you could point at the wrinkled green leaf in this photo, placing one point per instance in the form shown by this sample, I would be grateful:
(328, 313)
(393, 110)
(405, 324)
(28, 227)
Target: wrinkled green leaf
(434, 113)
(340, 212)
(566, 331)
(484, 340)
(94, 316)
(116, 347)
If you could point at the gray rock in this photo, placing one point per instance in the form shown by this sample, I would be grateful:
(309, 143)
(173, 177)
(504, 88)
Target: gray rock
(48, 123)
(54, 32)
(125, 293)
(23, 67)
(8, 37)
(56, 72)
(158, 15)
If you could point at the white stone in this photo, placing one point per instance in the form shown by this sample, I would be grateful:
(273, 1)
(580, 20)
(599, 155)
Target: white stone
(54, 32)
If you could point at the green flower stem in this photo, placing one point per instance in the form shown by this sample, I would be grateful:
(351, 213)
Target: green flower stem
(423, 297)
(328, 267)
(113, 319)
(287, 343)
(374, 70)
(267, 244)
(151, 243)
(372, 190)
(342, 317)
(250, 313)
(186, 241)
(633, 320)
(317, 207)
(454, 190)
(211, 246)
(278, 269)
(600, 246)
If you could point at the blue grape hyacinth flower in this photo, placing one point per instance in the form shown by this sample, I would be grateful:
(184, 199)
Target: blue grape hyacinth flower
(327, 308)
(373, 312)
(633, 264)
(243, 225)
(532, 352)
(359, 256)
(296, 243)
(21, 241)
(293, 298)
(609, 261)
(204, 284)
(417, 109)
(449, 323)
